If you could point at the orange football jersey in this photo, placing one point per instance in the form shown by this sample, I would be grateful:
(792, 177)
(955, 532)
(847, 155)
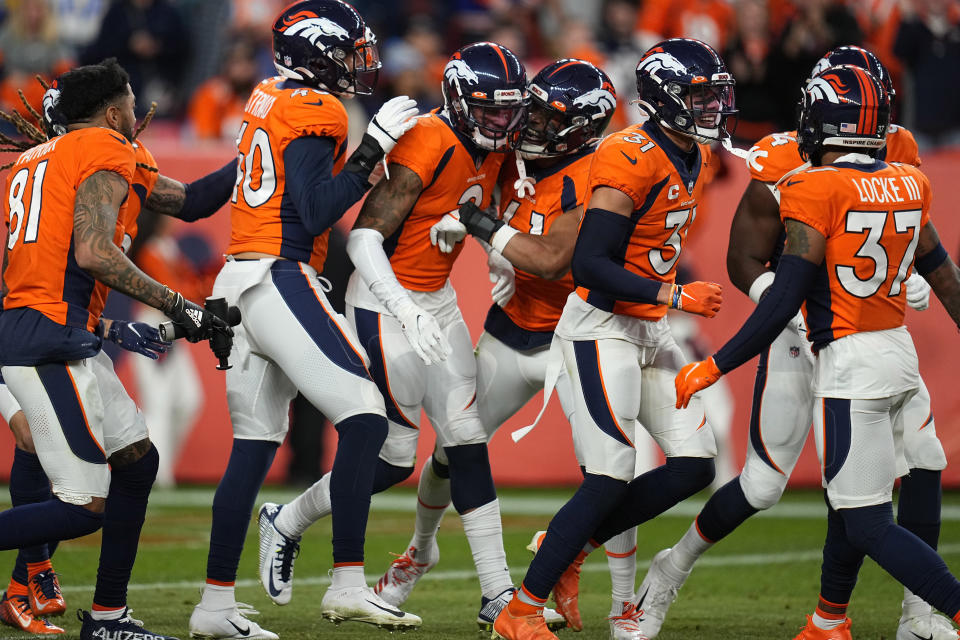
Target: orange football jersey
(777, 154)
(262, 219)
(451, 175)
(41, 188)
(537, 303)
(640, 161)
(871, 216)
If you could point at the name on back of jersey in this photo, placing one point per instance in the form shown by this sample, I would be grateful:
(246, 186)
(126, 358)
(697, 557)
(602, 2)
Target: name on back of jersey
(883, 190)
(259, 104)
(37, 151)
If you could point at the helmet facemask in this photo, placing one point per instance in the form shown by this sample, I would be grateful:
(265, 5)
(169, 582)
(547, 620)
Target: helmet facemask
(495, 124)
(550, 133)
(701, 109)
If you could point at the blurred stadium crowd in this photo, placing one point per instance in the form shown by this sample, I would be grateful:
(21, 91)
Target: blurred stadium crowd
(198, 59)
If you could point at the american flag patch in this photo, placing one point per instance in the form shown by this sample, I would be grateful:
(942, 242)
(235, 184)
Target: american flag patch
(847, 127)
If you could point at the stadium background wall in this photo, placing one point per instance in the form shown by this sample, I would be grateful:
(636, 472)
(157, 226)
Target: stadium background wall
(545, 456)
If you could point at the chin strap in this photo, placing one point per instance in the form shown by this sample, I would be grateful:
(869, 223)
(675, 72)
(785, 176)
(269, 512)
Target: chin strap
(737, 151)
(524, 182)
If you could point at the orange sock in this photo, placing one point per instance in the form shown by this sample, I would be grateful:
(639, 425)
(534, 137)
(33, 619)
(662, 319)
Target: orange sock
(33, 568)
(956, 618)
(16, 589)
(519, 608)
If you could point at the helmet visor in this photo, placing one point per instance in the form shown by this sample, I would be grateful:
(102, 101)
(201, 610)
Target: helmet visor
(366, 64)
(710, 103)
(500, 123)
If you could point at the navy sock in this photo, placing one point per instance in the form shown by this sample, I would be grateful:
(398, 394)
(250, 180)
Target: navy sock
(32, 524)
(28, 484)
(388, 475)
(903, 555)
(130, 486)
(918, 509)
(351, 483)
(726, 510)
(654, 492)
(233, 503)
(571, 529)
(442, 470)
(841, 560)
(471, 481)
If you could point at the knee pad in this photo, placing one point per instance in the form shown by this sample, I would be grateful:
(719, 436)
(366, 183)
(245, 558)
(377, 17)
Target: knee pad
(388, 475)
(689, 475)
(762, 485)
(866, 526)
(471, 483)
(138, 476)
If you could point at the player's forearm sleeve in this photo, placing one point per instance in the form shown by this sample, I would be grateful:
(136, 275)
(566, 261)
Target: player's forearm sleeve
(595, 259)
(204, 197)
(778, 306)
(319, 197)
(365, 248)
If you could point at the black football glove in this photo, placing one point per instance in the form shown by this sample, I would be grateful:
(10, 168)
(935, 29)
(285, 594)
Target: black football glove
(478, 223)
(197, 323)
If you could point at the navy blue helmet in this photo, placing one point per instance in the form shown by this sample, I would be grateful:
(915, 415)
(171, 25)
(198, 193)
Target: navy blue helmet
(326, 44)
(571, 103)
(485, 95)
(685, 87)
(858, 57)
(846, 107)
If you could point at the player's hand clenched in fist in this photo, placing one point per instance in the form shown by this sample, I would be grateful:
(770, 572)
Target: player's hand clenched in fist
(695, 377)
(701, 298)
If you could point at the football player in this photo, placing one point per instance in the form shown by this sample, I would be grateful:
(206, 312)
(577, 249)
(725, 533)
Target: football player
(643, 190)
(782, 410)
(64, 253)
(34, 587)
(294, 181)
(572, 103)
(404, 309)
(855, 227)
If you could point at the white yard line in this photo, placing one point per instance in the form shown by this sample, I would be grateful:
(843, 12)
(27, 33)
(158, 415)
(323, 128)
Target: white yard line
(736, 560)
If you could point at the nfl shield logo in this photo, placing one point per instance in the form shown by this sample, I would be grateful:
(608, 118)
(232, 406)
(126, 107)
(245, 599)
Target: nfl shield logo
(794, 352)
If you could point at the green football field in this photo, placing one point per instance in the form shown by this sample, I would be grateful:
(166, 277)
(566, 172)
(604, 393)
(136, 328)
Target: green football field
(759, 583)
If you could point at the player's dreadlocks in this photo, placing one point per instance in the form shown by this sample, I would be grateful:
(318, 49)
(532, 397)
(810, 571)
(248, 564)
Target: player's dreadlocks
(107, 79)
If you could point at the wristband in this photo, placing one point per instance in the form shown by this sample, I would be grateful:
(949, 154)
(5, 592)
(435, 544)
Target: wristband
(502, 237)
(761, 284)
(929, 262)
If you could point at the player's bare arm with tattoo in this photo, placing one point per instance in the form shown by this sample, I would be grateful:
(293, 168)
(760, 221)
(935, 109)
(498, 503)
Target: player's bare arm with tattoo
(96, 206)
(167, 196)
(390, 201)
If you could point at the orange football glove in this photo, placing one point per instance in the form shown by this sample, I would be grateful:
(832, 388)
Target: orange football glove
(695, 377)
(701, 298)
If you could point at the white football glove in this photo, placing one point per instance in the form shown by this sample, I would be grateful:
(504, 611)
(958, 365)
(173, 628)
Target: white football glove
(394, 119)
(502, 276)
(423, 333)
(446, 233)
(918, 292)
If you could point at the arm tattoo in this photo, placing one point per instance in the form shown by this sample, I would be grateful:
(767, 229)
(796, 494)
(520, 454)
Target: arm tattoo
(95, 212)
(130, 453)
(167, 196)
(797, 241)
(390, 201)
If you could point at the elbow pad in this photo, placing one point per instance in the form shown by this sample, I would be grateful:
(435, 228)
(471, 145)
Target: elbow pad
(365, 157)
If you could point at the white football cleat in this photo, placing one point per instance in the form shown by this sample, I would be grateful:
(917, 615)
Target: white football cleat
(490, 608)
(931, 626)
(277, 554)
(624, 622)
(361, 604)
(227, 623)
(657, 592)
(397, 583)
